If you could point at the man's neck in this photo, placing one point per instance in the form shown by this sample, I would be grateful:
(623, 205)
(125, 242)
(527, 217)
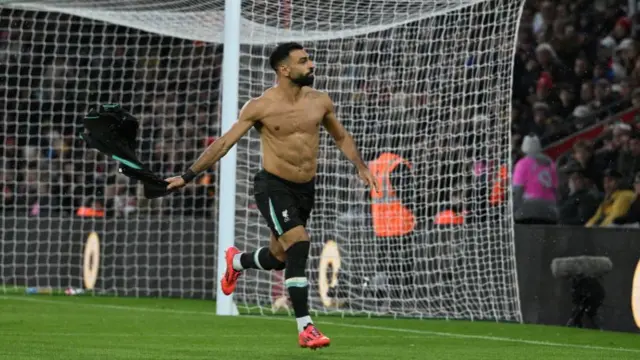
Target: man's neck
(290, 91)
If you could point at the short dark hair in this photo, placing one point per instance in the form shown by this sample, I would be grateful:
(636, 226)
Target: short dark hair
(281, 52)
(612, 173)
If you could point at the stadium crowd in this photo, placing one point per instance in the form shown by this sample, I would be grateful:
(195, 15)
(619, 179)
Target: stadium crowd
(576, 64)
(49, 80)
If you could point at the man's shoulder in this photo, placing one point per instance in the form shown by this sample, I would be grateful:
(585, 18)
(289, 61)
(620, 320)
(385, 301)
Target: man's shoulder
(265, 98)
(257, 106)
(316, 94)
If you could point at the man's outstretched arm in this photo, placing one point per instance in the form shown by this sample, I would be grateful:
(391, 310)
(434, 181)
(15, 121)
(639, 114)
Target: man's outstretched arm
(344, 140)
(346, 144)
(249, 115)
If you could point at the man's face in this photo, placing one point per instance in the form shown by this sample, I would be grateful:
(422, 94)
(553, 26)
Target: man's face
(586, 92)
(610, 184)
(582, 155)
(566, 96)
(543, 56)
(620, 136)
(602, 90)
(561, 11)
(299, 68)
(580, 67)
(539, 116)
(629, 53)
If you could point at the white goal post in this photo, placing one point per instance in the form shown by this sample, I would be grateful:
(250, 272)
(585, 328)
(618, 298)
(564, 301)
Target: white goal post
(427, 79)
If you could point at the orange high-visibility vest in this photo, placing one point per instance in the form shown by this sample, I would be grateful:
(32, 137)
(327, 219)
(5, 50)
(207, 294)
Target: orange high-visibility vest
(390, 217)
(86, 211)
(205, 180)
(499, 188)
(448, 217)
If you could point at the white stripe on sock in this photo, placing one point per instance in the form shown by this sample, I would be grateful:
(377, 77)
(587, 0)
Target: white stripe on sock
(296, 282)
(256, 256)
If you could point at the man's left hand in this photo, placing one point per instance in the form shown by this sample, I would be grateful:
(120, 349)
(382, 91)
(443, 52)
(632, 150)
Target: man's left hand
(366, 176)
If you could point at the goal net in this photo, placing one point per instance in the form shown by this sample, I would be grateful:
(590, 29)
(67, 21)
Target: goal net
(427, 80)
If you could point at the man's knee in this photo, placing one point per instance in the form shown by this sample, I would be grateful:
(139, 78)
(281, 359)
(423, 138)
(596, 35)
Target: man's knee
(295, 243)
(293, 236)
(276, 249)
(297, 255)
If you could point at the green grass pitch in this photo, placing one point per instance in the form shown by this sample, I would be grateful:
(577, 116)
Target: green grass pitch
(83, 328)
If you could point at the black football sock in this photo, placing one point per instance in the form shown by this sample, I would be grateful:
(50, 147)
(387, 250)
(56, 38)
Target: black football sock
(261, 259)
(297, 283)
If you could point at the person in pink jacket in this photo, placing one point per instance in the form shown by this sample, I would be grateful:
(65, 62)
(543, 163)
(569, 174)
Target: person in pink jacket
(535, 183)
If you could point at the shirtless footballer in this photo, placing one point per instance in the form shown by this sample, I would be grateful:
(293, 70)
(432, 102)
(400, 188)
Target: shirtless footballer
(288, 117)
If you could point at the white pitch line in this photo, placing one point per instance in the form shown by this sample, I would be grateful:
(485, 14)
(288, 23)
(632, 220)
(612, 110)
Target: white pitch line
(354, 326)
(208, 336)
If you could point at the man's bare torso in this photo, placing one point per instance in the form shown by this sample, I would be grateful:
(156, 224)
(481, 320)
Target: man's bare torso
(290, 134)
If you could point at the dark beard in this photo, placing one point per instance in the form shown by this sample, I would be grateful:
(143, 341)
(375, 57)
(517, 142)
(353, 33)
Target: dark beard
(304, 80)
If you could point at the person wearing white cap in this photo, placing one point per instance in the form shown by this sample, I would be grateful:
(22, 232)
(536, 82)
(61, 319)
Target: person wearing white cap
(535, 182)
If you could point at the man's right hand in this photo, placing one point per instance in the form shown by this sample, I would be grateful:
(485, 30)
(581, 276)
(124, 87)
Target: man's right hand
(175, 183)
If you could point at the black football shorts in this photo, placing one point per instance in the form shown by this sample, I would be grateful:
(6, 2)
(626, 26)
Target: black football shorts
(284, 204)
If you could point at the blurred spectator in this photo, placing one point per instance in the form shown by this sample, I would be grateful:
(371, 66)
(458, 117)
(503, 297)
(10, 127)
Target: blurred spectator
(567, 102)
(552, 70)
(616, 201)
(582, 201)
(602, 96)
(541, 119)
(581, 73)
(633, 215)
(615, 141)
(581, 116)
(628, 162)
(8, 185)
(586, 94)
(543, 18)
(635, 95)
(582, 157)
(120, 198)
(534, 186)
